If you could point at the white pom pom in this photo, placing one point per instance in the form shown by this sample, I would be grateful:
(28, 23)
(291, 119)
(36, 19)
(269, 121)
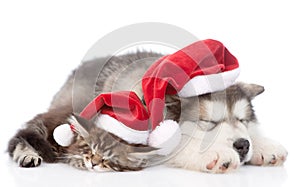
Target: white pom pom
(63, 135)
(166, 136)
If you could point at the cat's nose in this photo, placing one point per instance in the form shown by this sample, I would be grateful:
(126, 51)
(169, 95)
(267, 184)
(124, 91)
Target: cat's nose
(95, 160)
(242, 147)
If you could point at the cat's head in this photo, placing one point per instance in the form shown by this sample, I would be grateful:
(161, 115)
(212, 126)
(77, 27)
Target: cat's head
(84, 152)
(96, 149)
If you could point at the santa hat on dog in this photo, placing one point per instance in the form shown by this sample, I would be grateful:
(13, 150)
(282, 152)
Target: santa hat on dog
(202, 67)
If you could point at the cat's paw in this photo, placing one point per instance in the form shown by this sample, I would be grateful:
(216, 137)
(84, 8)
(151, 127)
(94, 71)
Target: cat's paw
(219, 161)
(268, 153)
(30, 160)
(26, 156)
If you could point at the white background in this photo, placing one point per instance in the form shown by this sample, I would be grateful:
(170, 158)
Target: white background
(42, 41)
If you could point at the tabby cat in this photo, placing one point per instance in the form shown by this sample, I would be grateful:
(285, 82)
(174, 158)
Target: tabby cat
(93, 149)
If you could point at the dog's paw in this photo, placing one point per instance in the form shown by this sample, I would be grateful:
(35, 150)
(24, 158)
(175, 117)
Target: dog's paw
(268, 153)
(219, 161)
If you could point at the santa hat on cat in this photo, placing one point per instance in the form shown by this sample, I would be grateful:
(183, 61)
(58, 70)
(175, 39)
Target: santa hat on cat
(202, 67)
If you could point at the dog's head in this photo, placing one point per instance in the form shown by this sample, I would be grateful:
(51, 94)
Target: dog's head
(223, 117)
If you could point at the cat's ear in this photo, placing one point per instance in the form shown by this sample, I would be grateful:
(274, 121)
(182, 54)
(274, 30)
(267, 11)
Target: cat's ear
(81, 125)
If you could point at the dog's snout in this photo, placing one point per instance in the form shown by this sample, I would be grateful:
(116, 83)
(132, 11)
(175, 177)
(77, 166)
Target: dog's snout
(242, 147)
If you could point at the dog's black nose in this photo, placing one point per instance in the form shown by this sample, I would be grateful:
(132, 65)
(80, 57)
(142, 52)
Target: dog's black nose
(242, 147)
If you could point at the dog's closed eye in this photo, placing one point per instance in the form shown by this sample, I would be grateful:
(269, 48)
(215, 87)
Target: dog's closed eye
(243, 121)
(207, 125)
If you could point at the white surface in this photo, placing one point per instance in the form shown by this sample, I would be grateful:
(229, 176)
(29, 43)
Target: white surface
(40, 42)
(61, 175)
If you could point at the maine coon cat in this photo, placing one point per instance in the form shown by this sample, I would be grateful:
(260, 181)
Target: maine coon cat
(94, 149)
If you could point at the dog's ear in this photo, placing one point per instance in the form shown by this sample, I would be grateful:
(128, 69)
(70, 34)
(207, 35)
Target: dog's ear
(172, 100)
(251, 90)
(173, 105)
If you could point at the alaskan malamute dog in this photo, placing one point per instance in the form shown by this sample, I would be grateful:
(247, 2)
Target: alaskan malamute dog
(219, 129)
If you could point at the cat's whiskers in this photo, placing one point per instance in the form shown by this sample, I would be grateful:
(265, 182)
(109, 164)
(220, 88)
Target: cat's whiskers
(69, 156)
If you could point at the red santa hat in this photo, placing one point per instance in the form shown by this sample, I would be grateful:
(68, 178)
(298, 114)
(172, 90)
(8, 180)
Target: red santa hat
(202, 67)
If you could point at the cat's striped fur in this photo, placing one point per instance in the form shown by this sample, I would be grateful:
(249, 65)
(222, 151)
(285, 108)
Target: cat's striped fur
(35, 142)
